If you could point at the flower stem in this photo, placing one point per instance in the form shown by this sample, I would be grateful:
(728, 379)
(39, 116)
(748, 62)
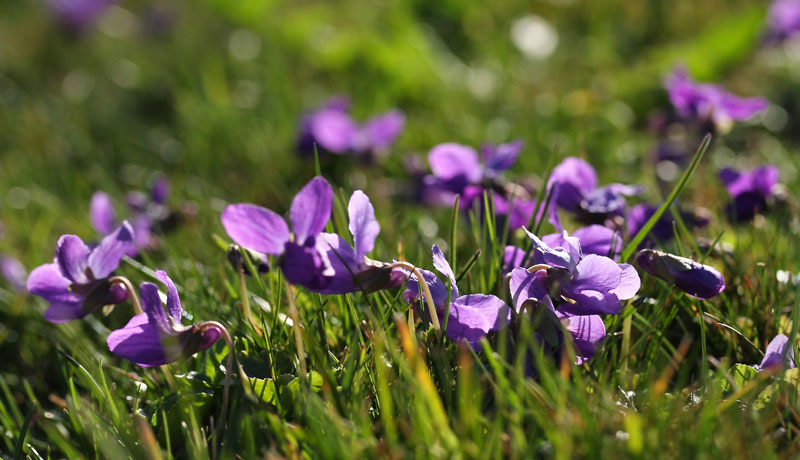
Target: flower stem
(246, 303)
(425, 289)
(126, 283)
(228, 369)
(298, 334)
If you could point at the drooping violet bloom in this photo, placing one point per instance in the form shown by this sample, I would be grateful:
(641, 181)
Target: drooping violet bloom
(470, 317)
(705, 101)
(783, 20)
(154, 337)
(697, 280)
(302, 253)
(594, 239)
(332, 129)
(573, 184)
(14, 272)
(779, 353)
(750, 191)
(78, 15)
(593, 284)
(353, 270)
(77, 282)
(664, 230)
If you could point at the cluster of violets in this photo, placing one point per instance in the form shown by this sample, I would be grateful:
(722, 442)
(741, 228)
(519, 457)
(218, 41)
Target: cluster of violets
(569, 280)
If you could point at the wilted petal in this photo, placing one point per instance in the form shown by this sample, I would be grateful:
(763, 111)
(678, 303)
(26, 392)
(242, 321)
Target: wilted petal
(363, 226)
(695, 279)
(311, 210)
(101, 213)
(256, 228)
(72, 257)
(473, 316)
(455, 162)
(105, 257)
(139, 341)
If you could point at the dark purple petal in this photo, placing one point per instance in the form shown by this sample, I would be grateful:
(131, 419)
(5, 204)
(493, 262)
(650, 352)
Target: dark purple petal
(333, 130)
(779, 353)
(501, 157)
(159, 190)
(139, 342)
(256, 228)
(451, 162)
(102, 215)
(105, 257)
(765, 178)
(173, 301)
(513, 257)
(154, 309)
(609, 199)
(72, 257)
(572, 179)
(64, 312)
(306, 266)
(695, 279)
(472, 317)
(363, 226)
(311, 210)
(525, 286)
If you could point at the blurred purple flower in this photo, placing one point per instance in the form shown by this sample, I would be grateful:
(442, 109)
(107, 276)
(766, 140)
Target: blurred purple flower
(783, 20)
(749, 190)
(695, 279)
(302, 252)
(78, 14)
(77, 282)
(471, 317)
(574, 188)
(663, 231)
(353, 270)
(154, 338)
(14, 272)
(779, 353)
(332, 129)
(707, 101)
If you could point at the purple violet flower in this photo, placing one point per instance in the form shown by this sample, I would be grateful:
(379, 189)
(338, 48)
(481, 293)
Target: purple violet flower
(77, 282)
(78, 15)
(593, 284)
(353, 270)
(471, 317)
(779, 353)
(574, 186)
(154, 338)
(749, 190)
(707, 101)
(783, 20)
(332, 129)
(302, 253)
(14, 272)
(697, 280)
(663, 231)
(594, 239)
